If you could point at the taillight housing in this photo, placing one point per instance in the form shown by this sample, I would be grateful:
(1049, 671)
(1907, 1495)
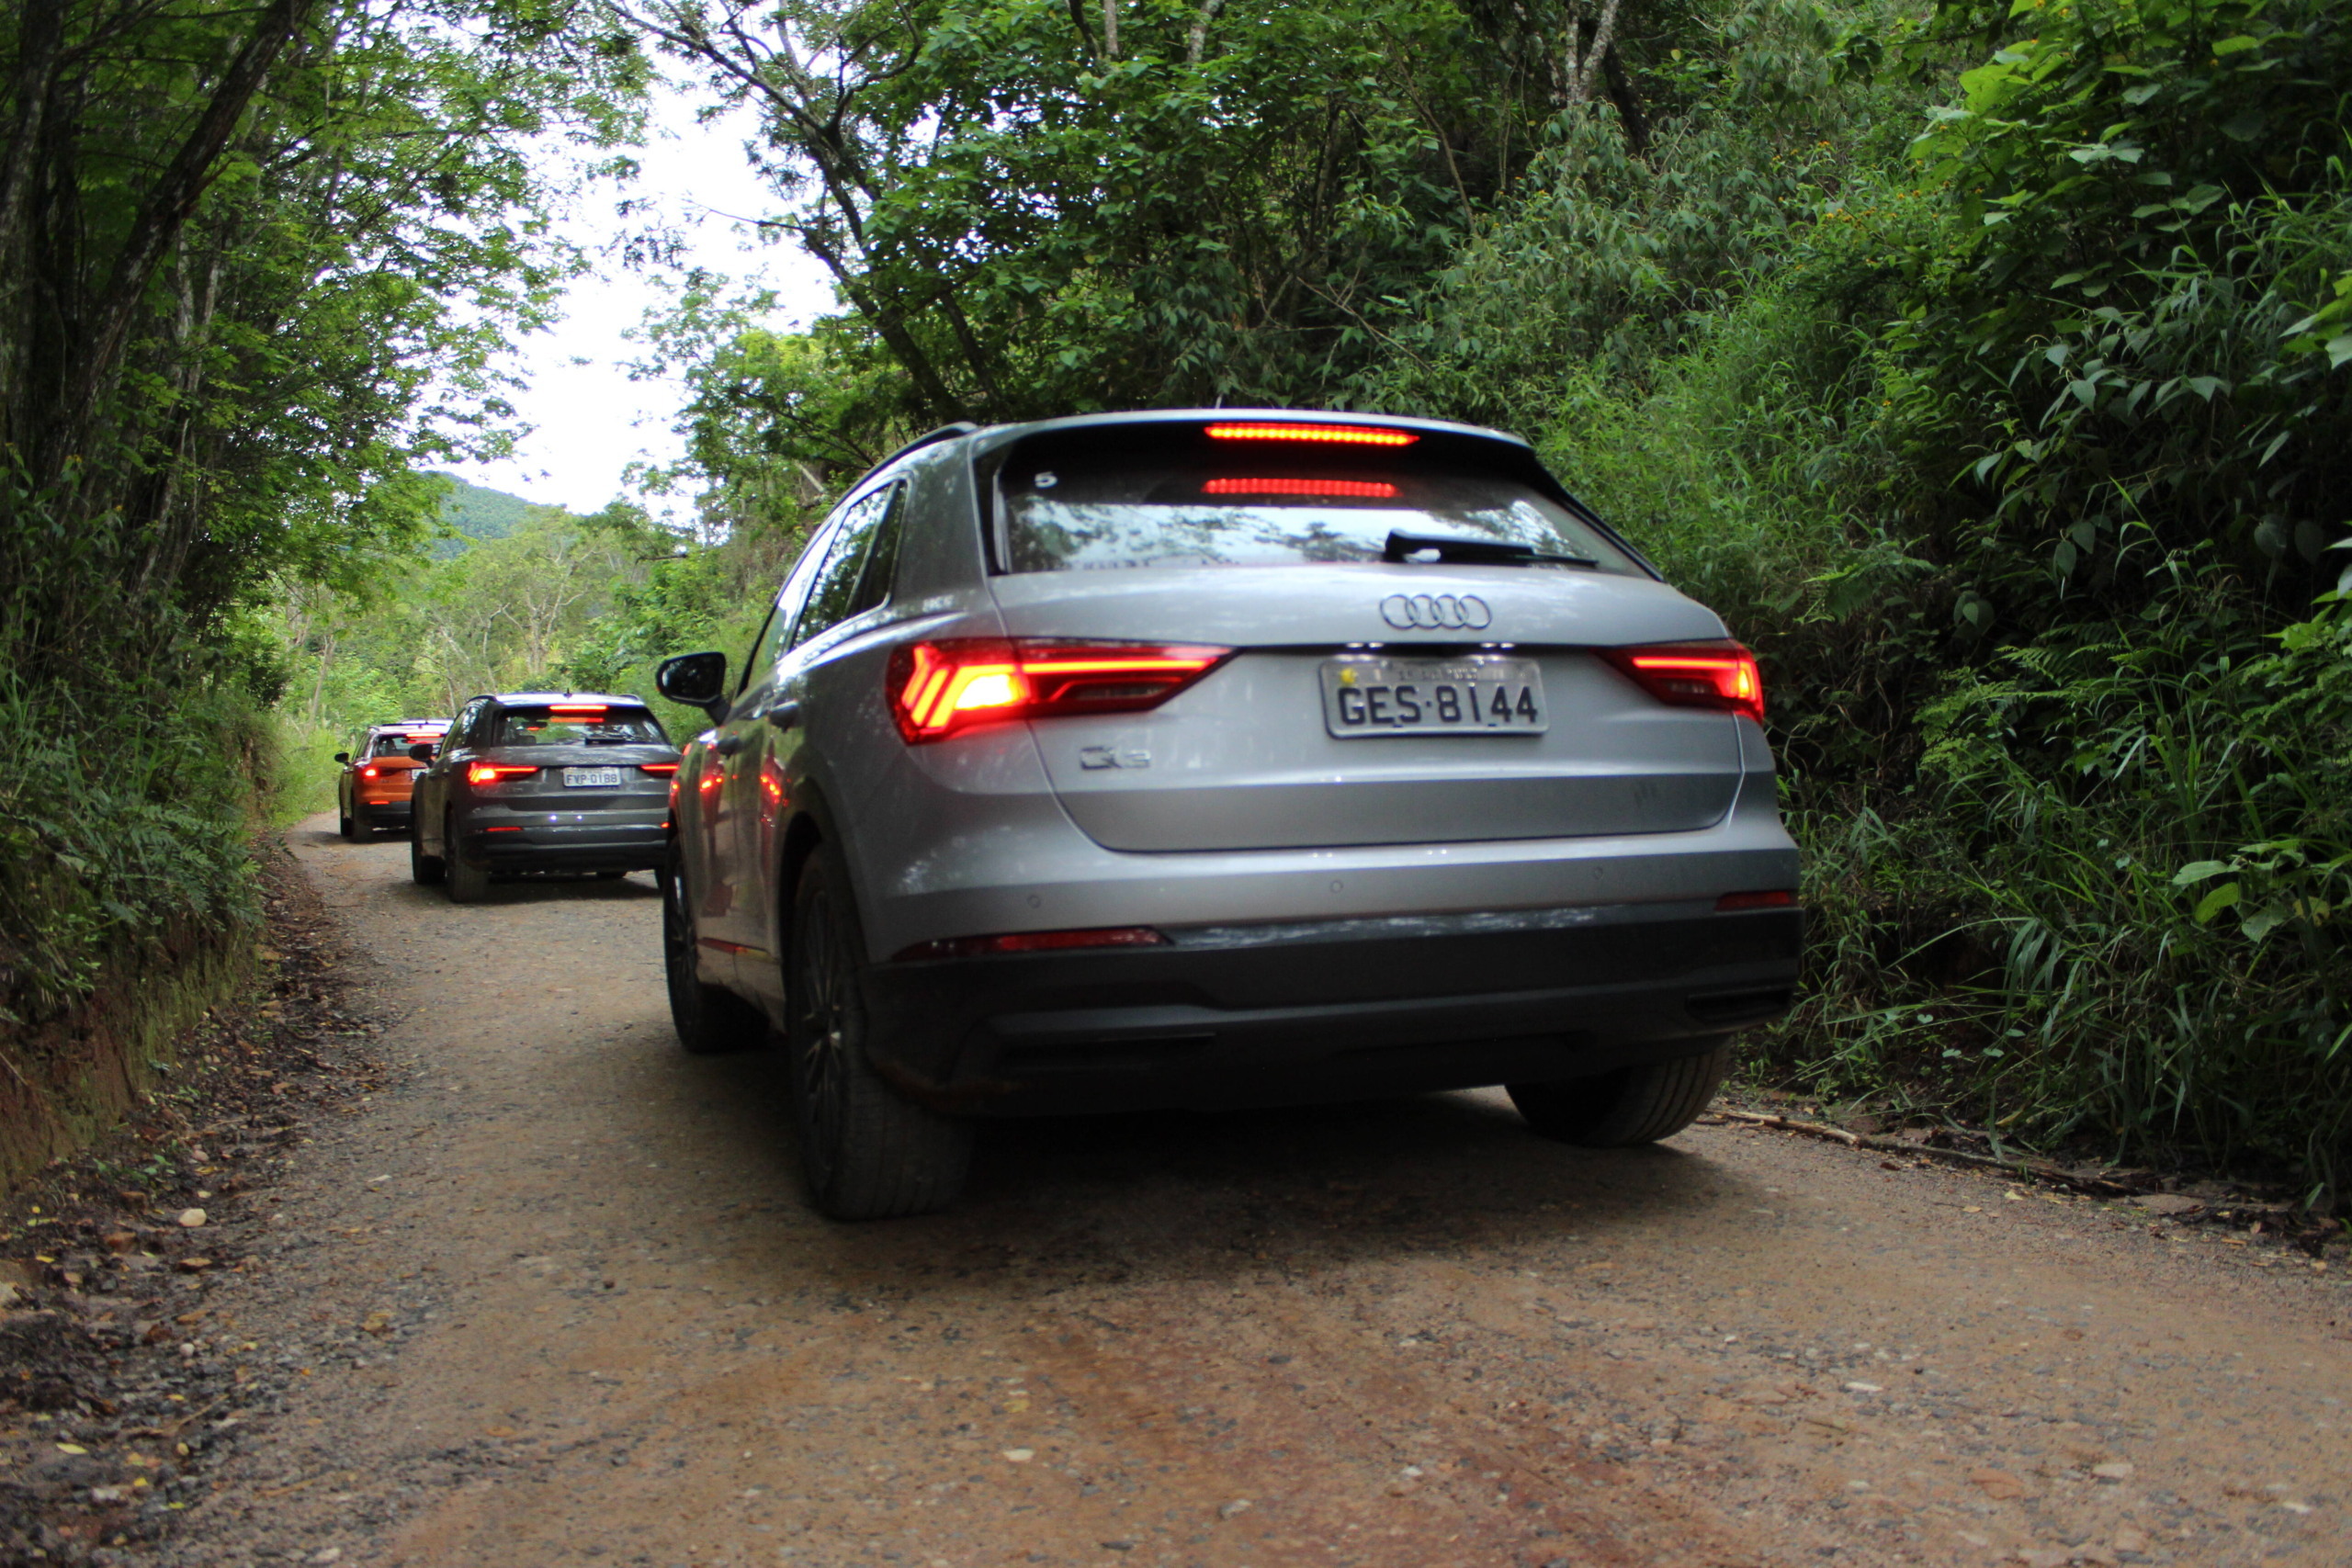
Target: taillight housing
(936, 689)
(658, 770)
(496, 773)
(369, 771)
(1721, 675)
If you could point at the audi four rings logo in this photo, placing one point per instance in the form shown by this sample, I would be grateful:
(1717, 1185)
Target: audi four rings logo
(1443, 612)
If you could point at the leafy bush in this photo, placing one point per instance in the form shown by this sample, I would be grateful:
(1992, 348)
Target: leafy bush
(122, 823)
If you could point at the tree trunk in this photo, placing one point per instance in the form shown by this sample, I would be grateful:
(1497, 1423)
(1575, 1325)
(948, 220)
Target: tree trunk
(1620, 83)
(1196, 43)
(169, 202)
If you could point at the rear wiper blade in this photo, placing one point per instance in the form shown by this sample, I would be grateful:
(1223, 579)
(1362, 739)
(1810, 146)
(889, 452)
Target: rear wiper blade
(1451, 548)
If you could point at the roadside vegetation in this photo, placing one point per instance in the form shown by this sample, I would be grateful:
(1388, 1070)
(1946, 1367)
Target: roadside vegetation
(256, 261)
(1989, 365)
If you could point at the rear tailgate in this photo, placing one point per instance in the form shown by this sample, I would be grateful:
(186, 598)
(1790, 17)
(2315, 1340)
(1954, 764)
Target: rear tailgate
(1247, 759)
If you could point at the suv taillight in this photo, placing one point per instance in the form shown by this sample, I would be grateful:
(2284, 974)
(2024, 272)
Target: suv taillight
(1694, 674)
(495, 773)
(938, 688)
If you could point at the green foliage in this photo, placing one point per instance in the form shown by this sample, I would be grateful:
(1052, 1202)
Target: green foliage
(2022, 467)
(107, 848)
(2120, 333)
(238, 244)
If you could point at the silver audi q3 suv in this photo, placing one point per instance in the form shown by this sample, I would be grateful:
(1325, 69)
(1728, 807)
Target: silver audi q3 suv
(1216, 758)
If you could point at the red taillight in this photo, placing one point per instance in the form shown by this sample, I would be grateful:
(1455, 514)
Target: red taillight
(577, 709)
(1375, 488)
(1032, 942)
(938, 688)
(658, 770)
(367, 772)
(1773, 898)
(1329, 434)
(492, 772)
(1695, 674)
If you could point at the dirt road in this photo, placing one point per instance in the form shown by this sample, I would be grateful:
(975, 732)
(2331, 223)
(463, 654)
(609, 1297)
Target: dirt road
(553, 1300)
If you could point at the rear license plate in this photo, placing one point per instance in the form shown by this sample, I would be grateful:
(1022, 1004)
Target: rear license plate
(1471, 696)
(592, 778)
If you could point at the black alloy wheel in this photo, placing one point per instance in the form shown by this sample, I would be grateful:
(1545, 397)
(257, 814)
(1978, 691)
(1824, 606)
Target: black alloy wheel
(710, 1020)
(462, 880)
(425, 870)
(1630, 1106)
(868, 1152)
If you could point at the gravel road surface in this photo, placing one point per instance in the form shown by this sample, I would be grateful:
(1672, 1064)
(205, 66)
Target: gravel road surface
(553, 1298)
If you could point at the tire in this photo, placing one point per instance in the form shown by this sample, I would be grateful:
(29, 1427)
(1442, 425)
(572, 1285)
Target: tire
(710, 1020)
(344, 824)
(1630, 1106)
(868, 1152)
(464, 882)
(425, 870)
(362, 827)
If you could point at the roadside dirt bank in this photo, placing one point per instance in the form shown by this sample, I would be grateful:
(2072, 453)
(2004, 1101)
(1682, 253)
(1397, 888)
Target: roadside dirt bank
(553, 1300)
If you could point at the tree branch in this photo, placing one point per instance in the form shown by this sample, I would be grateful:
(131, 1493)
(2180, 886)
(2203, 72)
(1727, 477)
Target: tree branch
(173, 200)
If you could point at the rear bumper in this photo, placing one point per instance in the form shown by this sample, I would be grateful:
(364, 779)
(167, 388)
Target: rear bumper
(1332, 1010)
(601, 841)
(384, 813)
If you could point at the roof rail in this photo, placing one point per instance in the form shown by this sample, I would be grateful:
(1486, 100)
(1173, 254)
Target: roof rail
(945, 433)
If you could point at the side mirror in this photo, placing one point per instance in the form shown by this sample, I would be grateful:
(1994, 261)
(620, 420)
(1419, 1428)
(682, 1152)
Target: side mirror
(696, 680)
(343, 756)
(421, 754)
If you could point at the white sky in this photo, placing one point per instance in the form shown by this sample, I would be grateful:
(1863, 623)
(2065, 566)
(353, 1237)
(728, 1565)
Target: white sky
(590, 420)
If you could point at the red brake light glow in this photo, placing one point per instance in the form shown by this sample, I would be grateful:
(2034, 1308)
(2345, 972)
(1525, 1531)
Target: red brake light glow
(658, 770)
(580, 709)
(1329, 434)
(368, 771)
(1774, 898)
(1371, 488)
(1032, 942)
(1695, 674)
(938, 688)
(492, 772)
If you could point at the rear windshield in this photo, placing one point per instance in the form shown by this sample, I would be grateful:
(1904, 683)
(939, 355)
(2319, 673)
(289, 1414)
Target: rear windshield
(397, 745)
(1067, 509)
(580, 726)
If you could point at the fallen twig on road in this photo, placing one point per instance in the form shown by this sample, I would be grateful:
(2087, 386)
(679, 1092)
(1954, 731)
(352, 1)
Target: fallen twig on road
(2031, 1170)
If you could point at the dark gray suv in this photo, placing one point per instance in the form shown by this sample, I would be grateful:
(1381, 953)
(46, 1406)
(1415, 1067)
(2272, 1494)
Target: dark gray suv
(1214, 757)
(542, 782)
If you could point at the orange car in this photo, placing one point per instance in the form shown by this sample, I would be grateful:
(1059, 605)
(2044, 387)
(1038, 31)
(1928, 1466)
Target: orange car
(373, 791)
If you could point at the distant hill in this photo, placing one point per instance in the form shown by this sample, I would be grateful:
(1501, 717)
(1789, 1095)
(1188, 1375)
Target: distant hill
(480, 513)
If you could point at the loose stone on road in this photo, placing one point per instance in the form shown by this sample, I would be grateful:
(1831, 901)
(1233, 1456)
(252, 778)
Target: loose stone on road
(560, 1303)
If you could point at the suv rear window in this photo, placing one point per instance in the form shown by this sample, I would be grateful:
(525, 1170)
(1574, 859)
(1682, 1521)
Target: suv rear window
(1147, 498)
(395, 744)
(584, 724)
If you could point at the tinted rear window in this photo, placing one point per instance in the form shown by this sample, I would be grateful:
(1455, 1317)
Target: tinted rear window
(581, 725)
(1131, 499)
(397, 745)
